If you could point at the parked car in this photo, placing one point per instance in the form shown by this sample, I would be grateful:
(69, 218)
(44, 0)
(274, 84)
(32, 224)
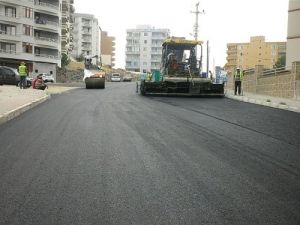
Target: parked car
(11, 76)
(47, 77)
(115, 77)
(127, 78)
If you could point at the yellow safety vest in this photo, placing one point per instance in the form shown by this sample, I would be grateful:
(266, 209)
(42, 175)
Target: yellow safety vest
(22, 70)
(238, 76)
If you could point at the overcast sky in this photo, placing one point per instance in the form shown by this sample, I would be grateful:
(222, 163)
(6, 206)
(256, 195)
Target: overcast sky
(224, 21)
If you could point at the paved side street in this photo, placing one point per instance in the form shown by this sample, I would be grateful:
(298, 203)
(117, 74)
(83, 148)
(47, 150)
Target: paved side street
(14, 101)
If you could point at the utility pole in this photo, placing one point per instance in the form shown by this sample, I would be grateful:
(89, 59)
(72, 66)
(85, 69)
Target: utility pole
(196, 26)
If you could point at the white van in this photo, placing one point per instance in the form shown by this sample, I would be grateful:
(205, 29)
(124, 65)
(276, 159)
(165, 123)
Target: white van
(115, 77)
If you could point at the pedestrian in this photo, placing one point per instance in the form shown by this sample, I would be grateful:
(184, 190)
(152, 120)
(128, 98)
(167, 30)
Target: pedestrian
(23, 72)
(238, 77)
(39, 84)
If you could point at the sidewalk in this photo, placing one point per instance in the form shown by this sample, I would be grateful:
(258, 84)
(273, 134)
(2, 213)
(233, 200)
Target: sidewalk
(14, 101)
(275, 102)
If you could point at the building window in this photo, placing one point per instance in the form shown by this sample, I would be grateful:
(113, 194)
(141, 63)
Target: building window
(145, 41)
(8, 47)
(27, 48)
(145, 49)
(28, 12)
(27, 30)
(145, 34)
(10, 11)
(7, 29)
(144, 63)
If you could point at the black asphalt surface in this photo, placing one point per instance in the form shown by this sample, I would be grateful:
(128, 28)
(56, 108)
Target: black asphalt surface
(114, 157)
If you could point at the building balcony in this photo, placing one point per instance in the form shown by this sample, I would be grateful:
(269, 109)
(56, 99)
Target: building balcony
(27, 3)
(9, 36)
(86, 40)
(46, 41)
(85, 32)
(9, 17)
(16, 55)
(46, 6)
(86, 24)
(6, 53)
(46, 24)
(47, 58)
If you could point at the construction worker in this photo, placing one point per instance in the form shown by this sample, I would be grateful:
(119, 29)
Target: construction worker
(238, 77)
(149, 76)
(23, 74)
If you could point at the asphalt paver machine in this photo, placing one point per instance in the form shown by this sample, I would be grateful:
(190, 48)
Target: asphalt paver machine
(180, 73)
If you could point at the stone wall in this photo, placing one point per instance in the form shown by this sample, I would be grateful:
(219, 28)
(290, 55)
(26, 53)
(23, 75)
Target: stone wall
(68, 76)
(284, 84)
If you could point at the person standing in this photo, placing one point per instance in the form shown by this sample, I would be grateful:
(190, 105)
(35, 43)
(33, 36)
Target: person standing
(23, 74)
(238, 77)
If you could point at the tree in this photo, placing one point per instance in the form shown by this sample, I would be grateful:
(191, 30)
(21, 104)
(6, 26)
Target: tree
(64, 60)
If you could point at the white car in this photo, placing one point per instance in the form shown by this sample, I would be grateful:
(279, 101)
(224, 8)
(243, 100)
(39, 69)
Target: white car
(115, 77)
(47, 77)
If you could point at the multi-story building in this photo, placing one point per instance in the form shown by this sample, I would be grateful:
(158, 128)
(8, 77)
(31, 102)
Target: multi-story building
(107, 49)
(144, 48)
(30, 32)
(257, 52)
(86, 37)
(67, 26)
(293, 39)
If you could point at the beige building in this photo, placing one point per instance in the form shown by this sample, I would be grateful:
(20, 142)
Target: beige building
(256, 52)
(107, 49)
(293, 39)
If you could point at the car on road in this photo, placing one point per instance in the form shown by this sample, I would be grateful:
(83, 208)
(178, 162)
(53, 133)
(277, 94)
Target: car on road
(115, 77)
(47, 77)
(127, 78)
(11, 76)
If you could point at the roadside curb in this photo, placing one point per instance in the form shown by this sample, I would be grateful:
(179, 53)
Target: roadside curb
(264, 103)
(18, 111)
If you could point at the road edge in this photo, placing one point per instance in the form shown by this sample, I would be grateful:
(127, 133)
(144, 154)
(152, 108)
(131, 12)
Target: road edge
(18, 111)
(264, 103)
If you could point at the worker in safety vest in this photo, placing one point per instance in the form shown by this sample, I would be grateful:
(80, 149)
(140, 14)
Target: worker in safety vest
(23, 74)
(238, 77)
(149, 76)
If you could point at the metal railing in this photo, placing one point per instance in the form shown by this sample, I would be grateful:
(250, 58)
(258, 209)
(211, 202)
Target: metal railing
(10, 15)
(46, 4)
(276, 71)
(3, 32)
(8, 51)
(46, 22)
(54, 40)
(47, 56)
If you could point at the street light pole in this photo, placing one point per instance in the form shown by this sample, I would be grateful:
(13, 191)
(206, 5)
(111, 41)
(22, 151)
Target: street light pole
(196, 26)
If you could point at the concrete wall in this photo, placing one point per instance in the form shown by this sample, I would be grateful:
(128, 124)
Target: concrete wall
(284, 84)
(44, 68)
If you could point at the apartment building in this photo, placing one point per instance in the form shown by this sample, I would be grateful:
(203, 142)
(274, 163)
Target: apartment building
(256, 52)
(66, 26)
(30, 32)
(293, 39)
(86, 36)
(144, 48)
(107, 49)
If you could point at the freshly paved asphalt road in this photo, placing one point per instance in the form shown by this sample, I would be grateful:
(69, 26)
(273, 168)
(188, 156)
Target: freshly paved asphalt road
(113, 157)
